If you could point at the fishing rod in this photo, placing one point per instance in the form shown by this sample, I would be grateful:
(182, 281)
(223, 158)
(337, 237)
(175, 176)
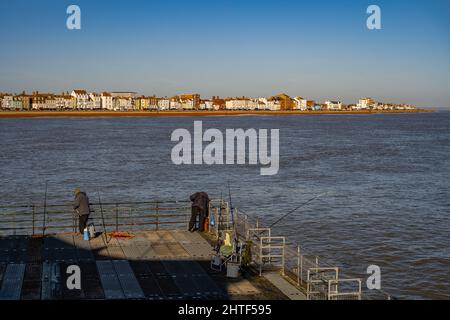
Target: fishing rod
(45, 208)
(297, 208)
(232, 218)
(231, 205)
(220, 216)
(103, 218)
(294, 210)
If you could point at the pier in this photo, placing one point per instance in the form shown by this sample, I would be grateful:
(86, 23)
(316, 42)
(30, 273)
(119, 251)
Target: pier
(159, 259)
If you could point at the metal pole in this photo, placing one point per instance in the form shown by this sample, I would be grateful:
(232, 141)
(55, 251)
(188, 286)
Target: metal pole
(33, 214)
(14, 223)
(298, 265)
(157, 216)
(117, 217)
(45, 209)
(301, 266)
(260, 257)
(103, 217)
(132, 219)
(308, 287)
(360, 290)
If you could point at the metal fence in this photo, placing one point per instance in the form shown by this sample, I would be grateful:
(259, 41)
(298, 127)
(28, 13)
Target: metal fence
(317, 278)
(38, 219)
(310, 274)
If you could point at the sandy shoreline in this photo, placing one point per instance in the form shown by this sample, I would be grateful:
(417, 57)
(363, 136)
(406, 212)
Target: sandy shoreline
(38, 114)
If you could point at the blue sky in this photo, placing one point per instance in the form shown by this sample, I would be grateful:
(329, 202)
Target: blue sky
(319, 49)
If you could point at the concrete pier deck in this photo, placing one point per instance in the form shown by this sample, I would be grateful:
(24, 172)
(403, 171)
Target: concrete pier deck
(166, 264)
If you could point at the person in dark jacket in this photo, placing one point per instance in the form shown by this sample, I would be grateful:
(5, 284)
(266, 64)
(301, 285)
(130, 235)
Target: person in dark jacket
(200, 208)
(81, 206)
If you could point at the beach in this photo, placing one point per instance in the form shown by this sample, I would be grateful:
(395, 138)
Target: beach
(38, 114)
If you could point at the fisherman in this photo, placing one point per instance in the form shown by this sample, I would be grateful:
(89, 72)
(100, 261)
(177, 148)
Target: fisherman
(200, 208)
(81, 206)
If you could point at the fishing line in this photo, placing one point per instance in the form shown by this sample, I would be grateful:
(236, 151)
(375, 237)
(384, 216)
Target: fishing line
(103, 218)
(45, 208)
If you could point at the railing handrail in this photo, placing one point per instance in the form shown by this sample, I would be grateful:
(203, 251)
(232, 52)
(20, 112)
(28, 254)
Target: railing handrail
(69, 203)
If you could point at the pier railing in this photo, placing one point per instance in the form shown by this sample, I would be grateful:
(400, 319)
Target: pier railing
(315, 277)
(39, 219)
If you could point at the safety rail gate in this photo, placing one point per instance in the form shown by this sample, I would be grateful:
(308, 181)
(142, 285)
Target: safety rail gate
(318, 279)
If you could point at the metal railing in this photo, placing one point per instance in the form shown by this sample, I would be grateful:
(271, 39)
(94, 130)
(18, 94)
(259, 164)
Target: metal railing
(38, 219)
(301, 268)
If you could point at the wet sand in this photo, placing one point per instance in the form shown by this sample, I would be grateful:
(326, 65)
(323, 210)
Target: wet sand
(36, 114)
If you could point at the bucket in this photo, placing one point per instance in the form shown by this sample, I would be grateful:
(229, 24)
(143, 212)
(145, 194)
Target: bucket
(86, 234)
(232, 270)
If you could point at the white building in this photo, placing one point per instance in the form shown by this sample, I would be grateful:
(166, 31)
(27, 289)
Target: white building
(123, 103)
(153, 103)
(241, 104)
(333, 105)
(107, 102)
(303, 104)
(175, 104)
(209, 105)
(206, 105)
(96, 101)
(366, 103)
(185, 102)
(51, 103)
(7, 102)
(82, 99)
(64, 102)
(164, 104)
(273, 104)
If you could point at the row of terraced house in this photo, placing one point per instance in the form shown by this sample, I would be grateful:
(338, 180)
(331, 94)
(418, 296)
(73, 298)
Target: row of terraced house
(132, 101)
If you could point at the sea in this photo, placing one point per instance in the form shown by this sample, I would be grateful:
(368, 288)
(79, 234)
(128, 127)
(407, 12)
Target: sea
(384, 181)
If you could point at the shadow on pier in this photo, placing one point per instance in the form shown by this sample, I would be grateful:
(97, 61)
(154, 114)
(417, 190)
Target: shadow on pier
(156, 265)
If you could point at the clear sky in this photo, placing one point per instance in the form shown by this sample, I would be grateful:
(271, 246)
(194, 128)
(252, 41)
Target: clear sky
(319, 49)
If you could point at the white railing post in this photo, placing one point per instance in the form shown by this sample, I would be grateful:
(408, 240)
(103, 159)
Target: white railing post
(301, 266)
(298, 265)
(308, 287)
(260, 255)
(284, 257)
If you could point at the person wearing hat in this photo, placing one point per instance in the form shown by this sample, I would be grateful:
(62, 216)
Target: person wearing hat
(81, 206)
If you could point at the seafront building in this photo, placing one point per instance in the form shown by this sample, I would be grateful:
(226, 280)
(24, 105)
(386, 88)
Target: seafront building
(80, 99)
(107, 101)
(333, 105)
(83, 101)
(96, 101)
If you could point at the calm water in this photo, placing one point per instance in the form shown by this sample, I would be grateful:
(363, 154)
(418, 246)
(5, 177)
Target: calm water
(388, 178)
